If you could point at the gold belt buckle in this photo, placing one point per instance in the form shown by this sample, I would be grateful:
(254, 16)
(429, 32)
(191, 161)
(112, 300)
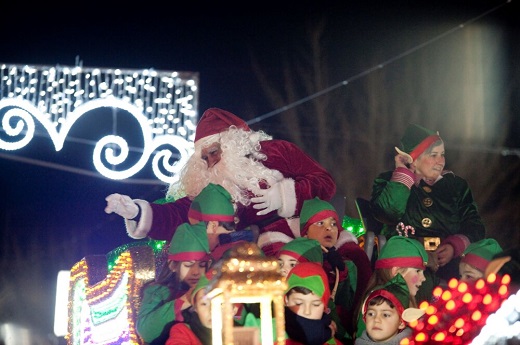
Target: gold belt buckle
(431, 243)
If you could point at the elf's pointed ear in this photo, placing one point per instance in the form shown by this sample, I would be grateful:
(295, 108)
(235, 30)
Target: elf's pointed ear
(212, 227)
(394, 271)
(402, 325)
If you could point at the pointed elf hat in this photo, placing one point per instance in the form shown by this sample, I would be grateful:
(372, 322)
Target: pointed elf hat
(479, 254)
(415, 141)
(314, 210)
(215, 121)
(400, 251)
(212, 203)
(303, 249)
(189, 242)
(396, 291)
(311, 276)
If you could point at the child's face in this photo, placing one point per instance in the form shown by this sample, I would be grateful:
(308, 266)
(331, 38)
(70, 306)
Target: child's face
(191, 271)
(414, 278)
(469, 273)
(309, 306)
(203, 308)
(324, 231)
(286, 263)
(382, 322)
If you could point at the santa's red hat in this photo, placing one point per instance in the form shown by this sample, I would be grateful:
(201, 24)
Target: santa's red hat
(215, 120)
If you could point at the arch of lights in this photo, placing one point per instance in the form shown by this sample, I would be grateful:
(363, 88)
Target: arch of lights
(163, 103)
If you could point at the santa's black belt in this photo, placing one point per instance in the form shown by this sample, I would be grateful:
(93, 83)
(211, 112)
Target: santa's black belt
(430, 243)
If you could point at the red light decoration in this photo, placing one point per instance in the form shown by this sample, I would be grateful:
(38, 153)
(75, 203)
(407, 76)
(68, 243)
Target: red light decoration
(459, 312)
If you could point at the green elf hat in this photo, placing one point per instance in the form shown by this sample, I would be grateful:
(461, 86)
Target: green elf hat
(396, 291)
(479, 254)
(189, 242)
(212, 203)
(311, 276)
(314, 210)
(415, 141)
(203, 283)
(400, 251)
(303, 249)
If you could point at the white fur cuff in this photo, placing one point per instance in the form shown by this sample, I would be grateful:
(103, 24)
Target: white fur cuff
(288, 189)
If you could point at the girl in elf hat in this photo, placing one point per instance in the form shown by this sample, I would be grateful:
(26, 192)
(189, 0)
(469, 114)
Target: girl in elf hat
(306, 314)
(347, 265)
(400, 255)
(164, 299)
(476, 258)
(436, 205)
(385, 312)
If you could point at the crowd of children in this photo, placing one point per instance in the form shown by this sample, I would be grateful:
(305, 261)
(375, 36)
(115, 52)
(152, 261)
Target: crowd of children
(320, 302)
(334, 295)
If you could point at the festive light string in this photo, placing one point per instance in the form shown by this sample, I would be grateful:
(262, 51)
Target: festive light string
(374, 68)
(162, 103)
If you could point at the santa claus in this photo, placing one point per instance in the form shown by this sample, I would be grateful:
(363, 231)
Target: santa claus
(268, 180)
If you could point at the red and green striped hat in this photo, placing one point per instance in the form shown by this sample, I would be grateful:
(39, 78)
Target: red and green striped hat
(311, 276)
(314, 210)
(400, 251)
(189, 242)
(303, 249)
(479, 254)
(212, 203)
(416, 140)
(396, 291)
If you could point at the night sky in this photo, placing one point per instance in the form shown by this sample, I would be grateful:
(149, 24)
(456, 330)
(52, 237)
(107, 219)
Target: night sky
(46, 204)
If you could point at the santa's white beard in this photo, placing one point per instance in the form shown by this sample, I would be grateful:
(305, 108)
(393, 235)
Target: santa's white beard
(238, 174)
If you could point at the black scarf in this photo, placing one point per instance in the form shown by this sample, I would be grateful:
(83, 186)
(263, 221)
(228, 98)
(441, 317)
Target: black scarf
(307, 331)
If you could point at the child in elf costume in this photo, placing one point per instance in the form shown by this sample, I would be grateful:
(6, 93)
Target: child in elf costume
(303, 249)
(196, 328)
(400, 255)
(347, 265)
(165, 298)
(386, 312)
(306, 314)
(214, 207)
(476, 257)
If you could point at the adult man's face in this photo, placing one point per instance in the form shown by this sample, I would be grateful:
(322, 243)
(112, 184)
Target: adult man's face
(211, 154)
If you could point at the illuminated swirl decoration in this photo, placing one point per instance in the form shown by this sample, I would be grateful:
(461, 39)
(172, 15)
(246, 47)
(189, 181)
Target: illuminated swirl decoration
(163, 103)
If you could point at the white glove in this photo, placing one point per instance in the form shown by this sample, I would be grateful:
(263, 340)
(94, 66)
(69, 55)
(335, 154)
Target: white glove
(122, 205)
(268, 200)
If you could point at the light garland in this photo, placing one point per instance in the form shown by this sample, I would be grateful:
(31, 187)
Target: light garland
(163, 103)
(103, 303)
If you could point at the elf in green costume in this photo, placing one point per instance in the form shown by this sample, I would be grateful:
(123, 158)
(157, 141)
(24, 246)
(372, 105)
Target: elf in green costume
(306, 314)
(422, 200)
(400, 255)
(476, 258)
(165, 298)
(386, 311)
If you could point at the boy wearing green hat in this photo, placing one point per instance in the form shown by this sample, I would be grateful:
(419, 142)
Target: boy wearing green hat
(214, 207)
(306, 314)
(165, 298)
(386, 311)
(436, 205)
(196, 328)
(301, 249)
(400, 255)
(476, 258)
(346, 263)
